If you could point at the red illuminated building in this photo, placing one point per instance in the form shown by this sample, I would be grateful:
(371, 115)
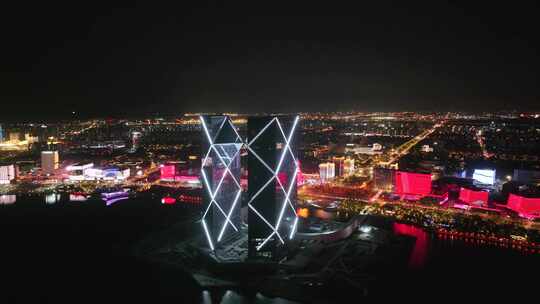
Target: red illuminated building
(412, 183)
(527, 207)
(168, 172)
(172, 173)
(473, 196)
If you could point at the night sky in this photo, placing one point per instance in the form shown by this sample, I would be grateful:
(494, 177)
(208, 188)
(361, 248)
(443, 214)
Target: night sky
(111, 60)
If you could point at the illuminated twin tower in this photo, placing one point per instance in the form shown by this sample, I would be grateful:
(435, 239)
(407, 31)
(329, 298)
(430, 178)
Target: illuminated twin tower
(271, 184)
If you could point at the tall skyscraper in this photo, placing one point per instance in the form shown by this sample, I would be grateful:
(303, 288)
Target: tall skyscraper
(272, 172)
(220, 171)
(50, 161)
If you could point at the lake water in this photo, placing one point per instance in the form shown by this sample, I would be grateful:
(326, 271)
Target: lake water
(72, 251)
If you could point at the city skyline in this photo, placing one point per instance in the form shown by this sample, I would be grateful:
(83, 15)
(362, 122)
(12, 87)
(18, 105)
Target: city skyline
(269, 152)
(314, 202)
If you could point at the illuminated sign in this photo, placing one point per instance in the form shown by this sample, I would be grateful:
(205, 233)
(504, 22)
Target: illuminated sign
(105, 174)
(484, 176)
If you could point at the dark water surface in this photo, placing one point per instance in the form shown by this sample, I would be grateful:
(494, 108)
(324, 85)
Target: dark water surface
(73, 252)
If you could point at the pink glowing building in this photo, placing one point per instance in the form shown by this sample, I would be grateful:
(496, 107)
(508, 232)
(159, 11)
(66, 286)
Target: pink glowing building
(476, 197)
(168, 172)
(412, 183)
(524, 206)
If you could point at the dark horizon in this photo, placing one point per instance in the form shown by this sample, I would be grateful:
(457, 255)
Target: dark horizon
(103, 61)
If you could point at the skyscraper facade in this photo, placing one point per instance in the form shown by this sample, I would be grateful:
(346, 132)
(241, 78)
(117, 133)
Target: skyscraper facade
(50, 161)
(220, 172)
(272, 172)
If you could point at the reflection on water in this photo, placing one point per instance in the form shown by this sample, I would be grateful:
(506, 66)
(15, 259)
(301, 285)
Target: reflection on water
(303, 212)
(77, 197)
(421, 246)
(167, 200)
(8, 199)
(52, 198)
(114, 196)
(315, 213)
(80, 199)
(323, 215)
(420, 249)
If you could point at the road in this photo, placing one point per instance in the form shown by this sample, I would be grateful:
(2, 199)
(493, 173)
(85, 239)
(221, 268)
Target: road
(407, 146)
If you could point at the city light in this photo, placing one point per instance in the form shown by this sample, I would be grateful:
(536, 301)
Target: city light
(274, 153)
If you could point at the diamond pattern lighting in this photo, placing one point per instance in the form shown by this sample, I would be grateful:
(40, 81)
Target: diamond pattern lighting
(290, 181)
(223, 186)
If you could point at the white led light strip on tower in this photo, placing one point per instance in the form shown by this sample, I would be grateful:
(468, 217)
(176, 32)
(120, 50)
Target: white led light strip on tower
(213, 194)
(285, 150)
(227, 170)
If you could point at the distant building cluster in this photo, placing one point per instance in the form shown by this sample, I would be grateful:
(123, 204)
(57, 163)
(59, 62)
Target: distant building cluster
(14, 141)
(488, 160)
(338, 167)
(327, 171)
(173, 172)
(87, 172)
(376, 148)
